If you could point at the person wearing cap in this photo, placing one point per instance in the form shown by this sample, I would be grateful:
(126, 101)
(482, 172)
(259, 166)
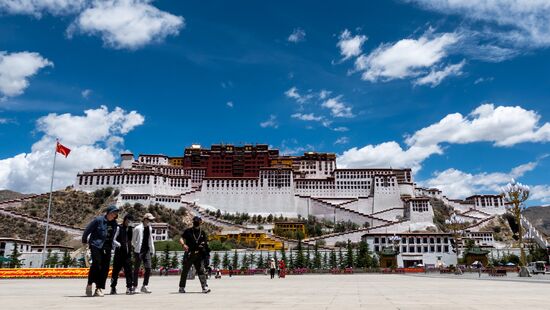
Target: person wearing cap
(194, 242)
(272, 267)
(123, 256)
(144, 249)
(100, 235)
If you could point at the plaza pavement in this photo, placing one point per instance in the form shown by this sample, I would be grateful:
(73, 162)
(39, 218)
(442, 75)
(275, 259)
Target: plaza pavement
(370, 291)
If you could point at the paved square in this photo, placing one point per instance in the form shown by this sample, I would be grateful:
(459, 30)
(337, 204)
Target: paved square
(372, 291)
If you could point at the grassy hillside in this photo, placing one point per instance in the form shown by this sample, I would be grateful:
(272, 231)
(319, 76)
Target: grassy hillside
(19, 228)
(8, 195)
(70, 207)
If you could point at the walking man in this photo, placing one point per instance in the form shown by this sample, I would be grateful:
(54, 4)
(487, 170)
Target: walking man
(123, 256)
(100, 235)
(144, 249)
(195, 244)
(272, 267)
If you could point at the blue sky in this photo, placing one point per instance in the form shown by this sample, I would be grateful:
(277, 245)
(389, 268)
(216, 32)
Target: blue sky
(357, 78)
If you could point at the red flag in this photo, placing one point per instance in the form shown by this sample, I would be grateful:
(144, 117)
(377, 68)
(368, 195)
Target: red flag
(61, 149)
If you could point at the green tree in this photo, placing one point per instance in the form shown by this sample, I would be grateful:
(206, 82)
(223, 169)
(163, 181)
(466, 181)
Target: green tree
(317, 264)
(261, 263)
(244, 261)
(235, 261)
(363, 259)
(341, 261)
(251, 260)
(349, 255)
(52, 260)
(283, 253)
(165, 259)
(270, 218)
(67, 261)
(300, 259)
(225, 260)
(307, 261)
(16, 262)
(291, 261)
(333, 260)
(216, 260)
(325, 261)
(154, 262)
(174, 262)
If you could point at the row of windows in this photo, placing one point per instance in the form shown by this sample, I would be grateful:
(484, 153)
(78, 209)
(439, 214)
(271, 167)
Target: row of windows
(412, 240)
(420, 206)
(129, 179)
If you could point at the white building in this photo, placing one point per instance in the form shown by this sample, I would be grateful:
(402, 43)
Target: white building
(159, 231)
(7, 245)
(427, 249)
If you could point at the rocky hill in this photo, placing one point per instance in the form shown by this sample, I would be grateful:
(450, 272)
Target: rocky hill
(540, 217)
(9, 195)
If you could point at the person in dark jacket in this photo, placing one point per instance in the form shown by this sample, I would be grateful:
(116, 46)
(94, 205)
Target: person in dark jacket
(123, 256)
(195, 244)
(101, 236)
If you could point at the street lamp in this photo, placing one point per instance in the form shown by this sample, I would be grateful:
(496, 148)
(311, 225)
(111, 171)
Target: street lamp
(515, 194)
(456, 224)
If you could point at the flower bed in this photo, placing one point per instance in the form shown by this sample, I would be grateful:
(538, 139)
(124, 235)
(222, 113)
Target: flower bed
(29, 273)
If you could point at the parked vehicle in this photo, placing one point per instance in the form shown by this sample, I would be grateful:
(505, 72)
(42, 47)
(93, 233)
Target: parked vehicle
(537, 267)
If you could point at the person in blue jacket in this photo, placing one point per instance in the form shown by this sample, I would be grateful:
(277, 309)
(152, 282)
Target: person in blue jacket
(100, 235)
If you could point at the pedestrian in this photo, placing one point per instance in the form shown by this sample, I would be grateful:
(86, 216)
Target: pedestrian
(230, 268)
(100, 235)
(272, 268)
(123, 256)
(195, 244)
(144, 249)
(282, 271)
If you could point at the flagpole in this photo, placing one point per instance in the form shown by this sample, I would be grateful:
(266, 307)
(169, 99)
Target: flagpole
(49, 207)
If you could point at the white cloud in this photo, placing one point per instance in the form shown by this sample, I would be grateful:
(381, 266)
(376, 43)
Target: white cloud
(341, 129)
(482, 80)
(502, 125)
(307, 117)
(4, 121)
(94, 138)
(17, 68)
(230, 104)
(126, 24)
(514, 23)
(458, 184)
(435, 77)
(324, 94)
(271, 122)
(337, 107)
(86, 93)
(405, 58)
(294, 94)
(541, 193)
(39, 7)
(387, 154)
(350, 46)
(298, 35)
(342, 140)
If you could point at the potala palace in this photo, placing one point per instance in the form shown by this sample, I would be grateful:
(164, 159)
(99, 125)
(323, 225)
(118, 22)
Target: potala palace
(255, 179)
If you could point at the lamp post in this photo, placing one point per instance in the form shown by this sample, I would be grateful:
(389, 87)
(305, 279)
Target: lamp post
(515, 194)
(456, 224)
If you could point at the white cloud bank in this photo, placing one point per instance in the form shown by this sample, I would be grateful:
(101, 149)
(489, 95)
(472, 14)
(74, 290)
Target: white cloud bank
(405, 58)
(126, 24)
(502, 125)
(271, 122)
(17, 68)
(94, 138)
(121, 24)
(350, 46)
(514, 23)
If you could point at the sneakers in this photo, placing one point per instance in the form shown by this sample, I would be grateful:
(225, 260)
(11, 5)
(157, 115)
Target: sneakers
(113, 290)
(89, 291)
(98, 292)
(145, 289)
(129, 291)
(182, 290)
(205, 290)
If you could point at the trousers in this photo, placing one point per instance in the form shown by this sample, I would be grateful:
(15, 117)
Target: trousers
(99, 270)
(195, 260)
(122, 260)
